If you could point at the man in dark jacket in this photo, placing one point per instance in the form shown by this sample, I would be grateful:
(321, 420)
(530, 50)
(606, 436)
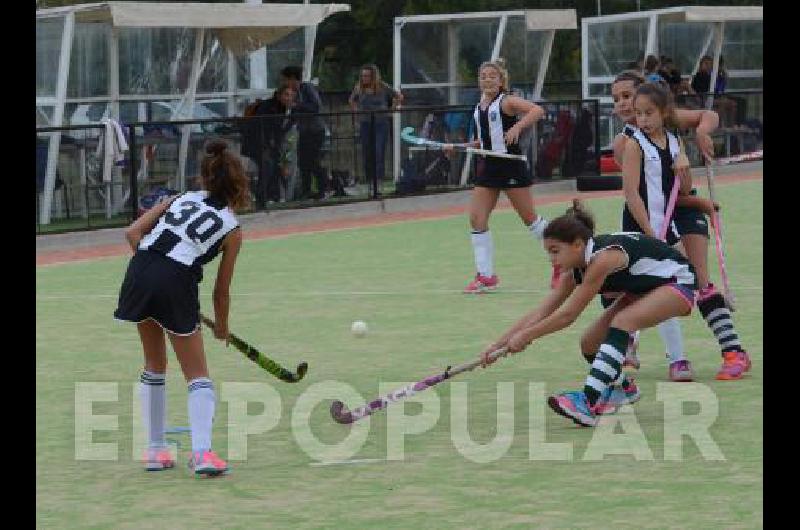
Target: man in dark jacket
(261, 141)
(312, 131)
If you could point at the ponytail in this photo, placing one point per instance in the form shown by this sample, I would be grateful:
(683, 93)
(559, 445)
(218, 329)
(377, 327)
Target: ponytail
(576, 223)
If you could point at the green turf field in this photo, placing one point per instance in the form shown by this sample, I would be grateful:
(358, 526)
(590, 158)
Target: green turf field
(295, 297)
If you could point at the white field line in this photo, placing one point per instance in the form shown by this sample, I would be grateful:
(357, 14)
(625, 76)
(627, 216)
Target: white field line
(290, 294)
(346, 462)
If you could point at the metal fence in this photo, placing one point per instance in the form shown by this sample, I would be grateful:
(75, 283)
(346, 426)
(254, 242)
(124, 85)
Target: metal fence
(290, 163)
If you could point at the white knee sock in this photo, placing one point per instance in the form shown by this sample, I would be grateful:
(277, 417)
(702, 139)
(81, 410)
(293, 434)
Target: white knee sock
(670, 331)
(152, 392)
(483, 248)
(537, 227)
(201, 412)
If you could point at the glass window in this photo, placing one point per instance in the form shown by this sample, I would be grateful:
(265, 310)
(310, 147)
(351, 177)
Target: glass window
(743, 47)
(290, 50)
(89, 68)
(522, 50)
(614, 46)
(48, 48)
(424, 52)
(215, 75)
(475, 44)
(155, 60)
(683, 43)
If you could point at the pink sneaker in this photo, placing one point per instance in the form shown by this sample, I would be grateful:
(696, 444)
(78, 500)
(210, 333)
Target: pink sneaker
(745, 359)
(207, 463)
(734, 365)
(158, 459)
(681, 371)
(482, 284)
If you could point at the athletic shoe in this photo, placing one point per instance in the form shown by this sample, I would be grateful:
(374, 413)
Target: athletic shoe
(745, 359)
(631, 359)
(555, 276)
(575, 406)
(482, 284)
(734, 365)
(615, 396)
(207, 463)
(158, 459)
(681, 371)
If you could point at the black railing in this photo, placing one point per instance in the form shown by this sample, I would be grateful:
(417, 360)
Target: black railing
(353, 159)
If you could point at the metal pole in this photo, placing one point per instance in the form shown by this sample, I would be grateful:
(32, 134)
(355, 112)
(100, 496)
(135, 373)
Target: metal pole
(258, 63)
(396, 116)
(134, 168)
(188, 98)
(372, 156)
(58, 117)
(596, 113)
(719, 29)
(310, 33)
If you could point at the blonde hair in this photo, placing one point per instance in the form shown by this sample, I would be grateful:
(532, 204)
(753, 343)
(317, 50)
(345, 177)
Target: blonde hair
(498, 64)
(377, 82)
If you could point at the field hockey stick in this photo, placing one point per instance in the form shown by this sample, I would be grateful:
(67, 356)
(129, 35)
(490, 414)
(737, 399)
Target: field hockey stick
(716, 222)
(342, 415)
(407, 134)
(260, 359)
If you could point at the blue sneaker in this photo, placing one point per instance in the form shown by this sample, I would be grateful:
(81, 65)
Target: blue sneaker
(575, 406)
(615, 396)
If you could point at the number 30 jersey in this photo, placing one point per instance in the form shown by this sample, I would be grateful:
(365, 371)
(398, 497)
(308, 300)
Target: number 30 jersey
(191, 230)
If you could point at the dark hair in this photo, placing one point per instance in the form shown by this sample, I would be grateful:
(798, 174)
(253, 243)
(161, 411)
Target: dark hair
(292, 72)
(661, 95)
(651, 63)
(283, 87)
(630, 75)
(223, 175)
(576, 223)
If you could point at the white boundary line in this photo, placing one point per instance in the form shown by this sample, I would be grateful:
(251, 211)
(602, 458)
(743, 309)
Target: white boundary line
(286, 295)
(345, 462)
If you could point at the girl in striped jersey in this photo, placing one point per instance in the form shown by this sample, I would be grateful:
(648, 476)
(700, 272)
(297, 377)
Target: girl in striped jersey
(171, 243)
(648, 177)
(656, 281)
(498, 129)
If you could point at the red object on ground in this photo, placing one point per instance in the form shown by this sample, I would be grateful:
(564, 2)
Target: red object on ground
(609, 165)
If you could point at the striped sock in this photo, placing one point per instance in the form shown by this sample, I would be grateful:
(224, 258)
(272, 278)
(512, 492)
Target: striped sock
(483, 248)
(622, 378)
(152, 392)
(201, 412)
(718, 318)
(607, 364)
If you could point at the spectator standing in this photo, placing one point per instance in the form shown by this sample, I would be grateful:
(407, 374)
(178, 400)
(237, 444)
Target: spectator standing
(263, 139)
(651, 65)
(311, 128)
(371, 93)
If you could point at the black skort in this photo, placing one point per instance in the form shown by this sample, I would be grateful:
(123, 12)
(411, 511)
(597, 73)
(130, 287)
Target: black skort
(494, 172)
(629, 224)
(161, 289)
(690, 221)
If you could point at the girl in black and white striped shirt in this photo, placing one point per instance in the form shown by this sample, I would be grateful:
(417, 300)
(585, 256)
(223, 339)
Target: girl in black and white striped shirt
(171, 243)
(498, 128)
